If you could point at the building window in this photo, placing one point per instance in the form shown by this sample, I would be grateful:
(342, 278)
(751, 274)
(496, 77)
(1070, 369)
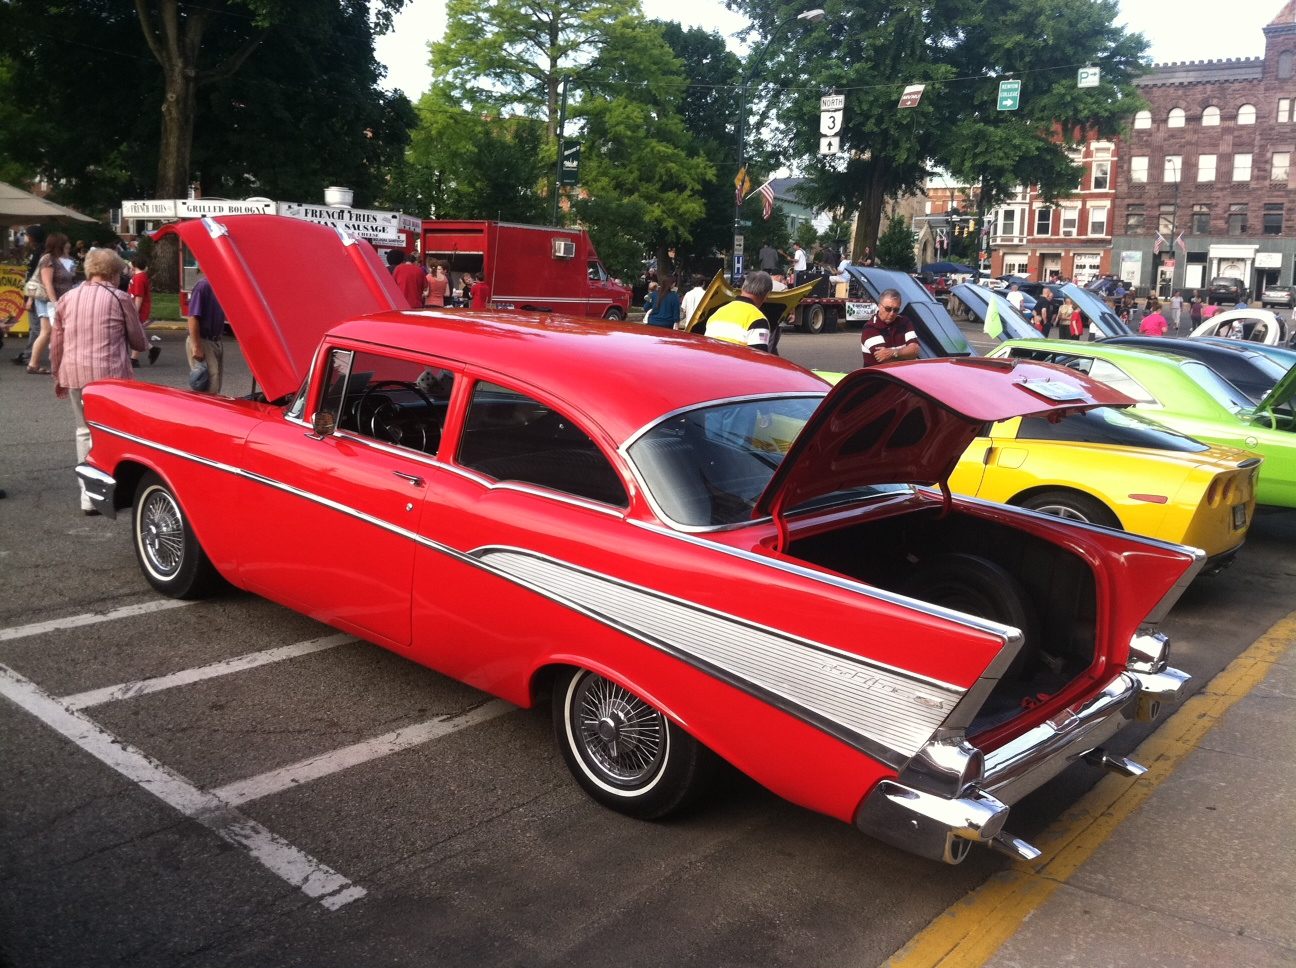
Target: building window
(1241, 167)
(1205, 168)
(1138, 169)
(1210, 117)
(1016, 265)
(1284, 110)
(1285, 65)
(1237, 218)
(1008, 221)
(1246, 114)
(1085, 266)
(1101, 175)
(1201, 220)
(1043, 221)
(1165, 218)
(1070, 220)
(1273, 218)
(1173, 165)
(1143, 119)
(1176, 118)
(1133, 219)
(1280, 166)
(1098, 220)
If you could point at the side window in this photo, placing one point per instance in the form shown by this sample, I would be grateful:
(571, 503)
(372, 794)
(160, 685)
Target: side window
(396, 401)
(511, 437)
(1118, 379)
(596, 271)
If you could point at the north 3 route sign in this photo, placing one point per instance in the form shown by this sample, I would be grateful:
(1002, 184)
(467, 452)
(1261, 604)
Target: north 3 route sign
(1009, 95)
(830, 122)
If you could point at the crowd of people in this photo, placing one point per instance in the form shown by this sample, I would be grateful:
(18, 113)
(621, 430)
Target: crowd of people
(434, 285)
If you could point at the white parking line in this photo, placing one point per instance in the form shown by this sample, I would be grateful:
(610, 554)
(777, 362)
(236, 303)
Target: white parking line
(315, 767)
(241, 663)
(90, 618)
(311, 876)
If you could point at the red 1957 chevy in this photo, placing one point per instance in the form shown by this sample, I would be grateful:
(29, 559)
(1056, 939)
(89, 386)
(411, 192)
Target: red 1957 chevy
(696, 553)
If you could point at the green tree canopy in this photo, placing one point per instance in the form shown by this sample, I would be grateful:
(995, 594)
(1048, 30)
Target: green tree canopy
(895, 248)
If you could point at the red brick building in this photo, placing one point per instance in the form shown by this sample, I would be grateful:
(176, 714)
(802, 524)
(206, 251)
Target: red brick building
(1071, 238)
(1211, 159)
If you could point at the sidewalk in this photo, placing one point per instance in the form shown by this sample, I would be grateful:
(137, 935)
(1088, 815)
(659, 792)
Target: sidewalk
(1193, 864)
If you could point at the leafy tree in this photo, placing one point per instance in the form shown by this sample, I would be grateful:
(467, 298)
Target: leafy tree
(895, 248)
(870, 49)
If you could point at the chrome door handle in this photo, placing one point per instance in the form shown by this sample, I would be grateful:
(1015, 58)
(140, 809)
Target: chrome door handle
(412, 478)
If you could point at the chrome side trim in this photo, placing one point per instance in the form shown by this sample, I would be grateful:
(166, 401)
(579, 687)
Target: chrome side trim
(99, 487)
(1162, 608)
(887, 713)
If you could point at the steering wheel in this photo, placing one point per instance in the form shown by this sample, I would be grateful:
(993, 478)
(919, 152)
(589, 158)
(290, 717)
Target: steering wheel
(382, 423)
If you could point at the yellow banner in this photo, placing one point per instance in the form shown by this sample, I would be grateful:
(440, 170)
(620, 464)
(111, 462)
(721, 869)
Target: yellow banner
(12, 300)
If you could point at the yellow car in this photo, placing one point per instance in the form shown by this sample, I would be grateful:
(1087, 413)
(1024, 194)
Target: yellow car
(1114, 468)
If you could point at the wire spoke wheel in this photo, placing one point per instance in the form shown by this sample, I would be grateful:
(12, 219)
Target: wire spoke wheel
(161, 533)
(620, 736)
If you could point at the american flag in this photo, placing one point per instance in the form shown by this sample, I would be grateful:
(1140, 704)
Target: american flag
(1158, 243)
(766, 193)
(1180, 244)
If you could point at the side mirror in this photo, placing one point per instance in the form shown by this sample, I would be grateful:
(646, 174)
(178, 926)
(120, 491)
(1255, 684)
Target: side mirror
(323, 423)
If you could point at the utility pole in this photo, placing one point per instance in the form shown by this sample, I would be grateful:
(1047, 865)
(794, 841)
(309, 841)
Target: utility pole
(558, 164)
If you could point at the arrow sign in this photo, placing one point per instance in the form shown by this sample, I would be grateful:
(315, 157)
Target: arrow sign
(829, 146)
(832, 102)
(911, 96)
(830, 122)
(1009, 95)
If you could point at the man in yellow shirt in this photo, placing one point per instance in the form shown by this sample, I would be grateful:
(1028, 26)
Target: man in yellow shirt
(741, 321)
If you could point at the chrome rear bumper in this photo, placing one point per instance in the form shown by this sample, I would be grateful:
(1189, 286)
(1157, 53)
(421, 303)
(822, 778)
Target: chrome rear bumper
(99, 487)
(943, 826)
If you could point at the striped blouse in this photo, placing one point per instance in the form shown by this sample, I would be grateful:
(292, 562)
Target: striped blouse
(95, 328)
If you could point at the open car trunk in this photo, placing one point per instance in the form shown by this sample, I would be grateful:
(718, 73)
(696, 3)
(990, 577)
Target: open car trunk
(974, 565)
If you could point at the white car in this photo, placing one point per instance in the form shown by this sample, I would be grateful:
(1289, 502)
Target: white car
(1255, 325)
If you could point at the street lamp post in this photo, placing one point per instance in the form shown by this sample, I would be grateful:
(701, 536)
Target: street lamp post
(810, 17)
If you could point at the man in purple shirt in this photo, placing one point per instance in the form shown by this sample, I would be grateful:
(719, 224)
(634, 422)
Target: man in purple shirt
(206, 322)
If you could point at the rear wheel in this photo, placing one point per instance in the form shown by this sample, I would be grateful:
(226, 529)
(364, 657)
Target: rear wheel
(622, 751)
(1073, 506)
(165, 547)
(813, 319)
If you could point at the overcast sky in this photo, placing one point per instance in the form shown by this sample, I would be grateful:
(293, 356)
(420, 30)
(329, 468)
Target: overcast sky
(1176, 30)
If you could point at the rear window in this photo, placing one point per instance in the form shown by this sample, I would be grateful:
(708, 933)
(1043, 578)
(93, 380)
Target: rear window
(1226, 282)
(1111, 426)
(1219, 389)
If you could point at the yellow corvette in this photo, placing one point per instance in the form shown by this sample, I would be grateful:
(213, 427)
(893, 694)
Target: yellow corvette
(1114, 468)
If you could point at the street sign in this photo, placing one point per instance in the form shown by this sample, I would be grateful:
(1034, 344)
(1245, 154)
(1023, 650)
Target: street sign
(743, 223)
(738, 245)
(830, 122)
(738, 265)
(1087, 77)
(829, 146)
(911, 96)
(1009, 95)
(571, 165)
(832, 102)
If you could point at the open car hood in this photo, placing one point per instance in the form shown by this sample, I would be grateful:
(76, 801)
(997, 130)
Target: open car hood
(1095, 310)
(977, 299)
(938, 334)
(283, 284)
(908, 423)
(778, 306)
(1282, 396)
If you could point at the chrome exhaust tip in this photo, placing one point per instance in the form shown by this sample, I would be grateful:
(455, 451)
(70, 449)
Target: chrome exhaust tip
(1120, 765)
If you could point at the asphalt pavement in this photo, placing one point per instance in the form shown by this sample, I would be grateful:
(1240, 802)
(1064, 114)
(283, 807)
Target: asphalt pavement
(436, 828)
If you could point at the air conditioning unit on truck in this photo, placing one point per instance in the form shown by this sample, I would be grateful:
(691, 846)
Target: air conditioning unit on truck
(534, 268)
(831, 304)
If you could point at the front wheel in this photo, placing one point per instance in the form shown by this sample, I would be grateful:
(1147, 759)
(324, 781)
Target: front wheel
(614, 315)
(168, 553)
(623, 752)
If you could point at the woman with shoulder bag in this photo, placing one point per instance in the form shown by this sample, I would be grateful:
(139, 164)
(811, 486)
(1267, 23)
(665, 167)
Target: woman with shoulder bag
(56, 273)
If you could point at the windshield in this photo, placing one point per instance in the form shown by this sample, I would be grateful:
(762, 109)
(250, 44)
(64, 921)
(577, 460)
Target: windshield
(1108, 425)
(1219, 389)
(707, 467)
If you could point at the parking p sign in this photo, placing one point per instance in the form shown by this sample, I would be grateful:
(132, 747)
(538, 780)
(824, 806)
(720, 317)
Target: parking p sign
(1087, 77)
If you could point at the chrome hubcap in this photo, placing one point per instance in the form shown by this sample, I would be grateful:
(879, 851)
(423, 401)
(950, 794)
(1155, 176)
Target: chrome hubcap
(621, 736)
(161, 534)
